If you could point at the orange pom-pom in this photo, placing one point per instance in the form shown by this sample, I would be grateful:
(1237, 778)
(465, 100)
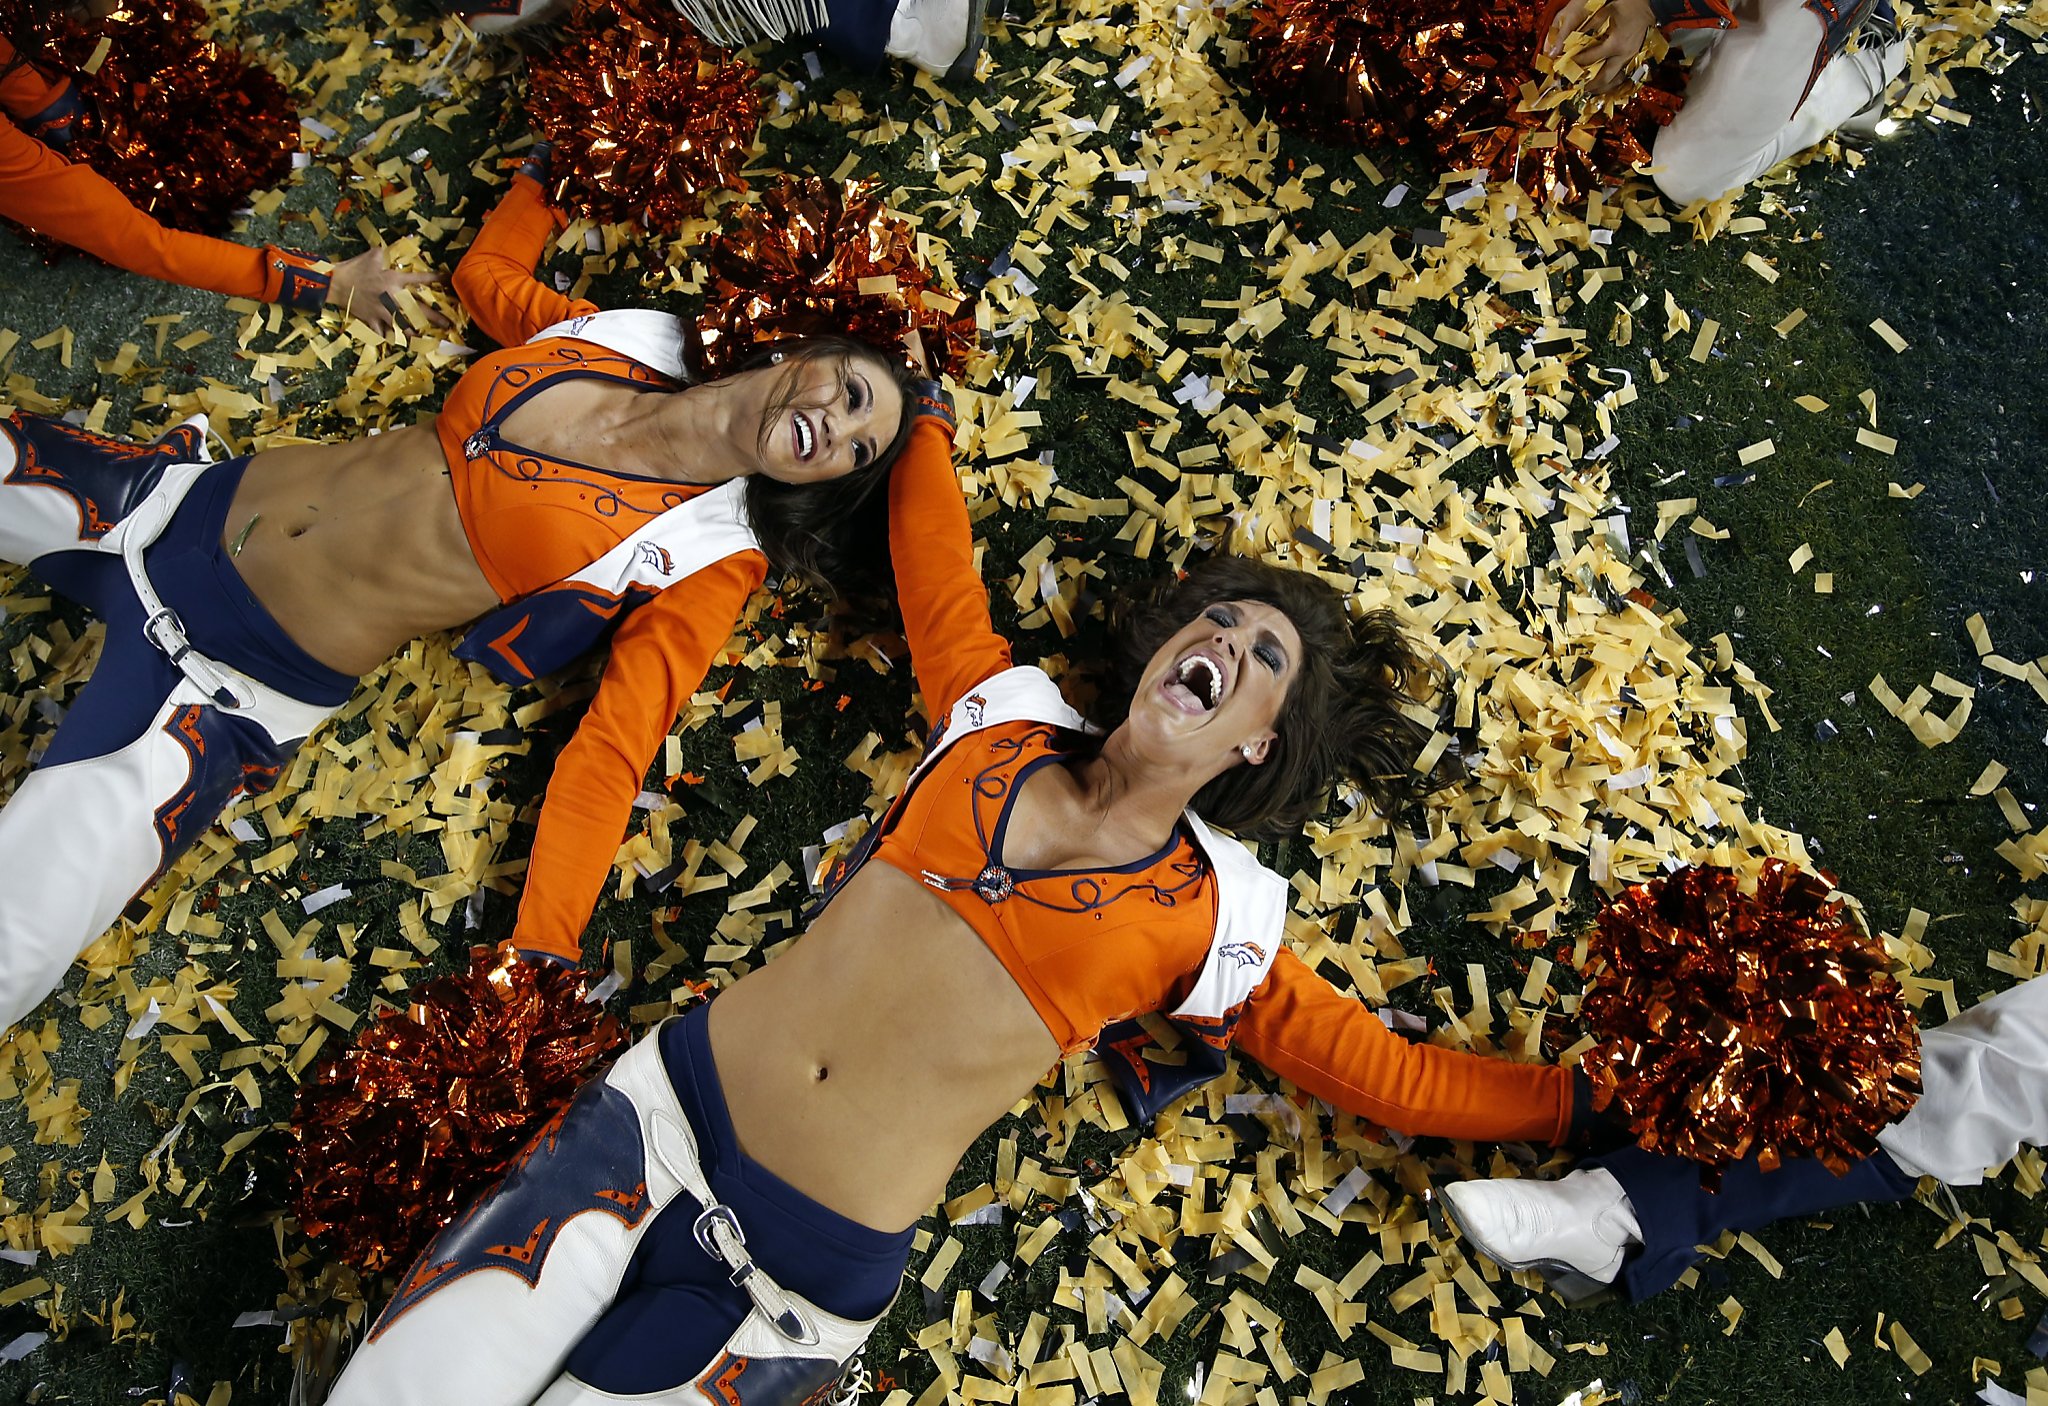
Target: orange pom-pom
(183, 125)
(1450, 78)
(429, 1104)
(813, 257)
(647, 118)
(1735, 1021)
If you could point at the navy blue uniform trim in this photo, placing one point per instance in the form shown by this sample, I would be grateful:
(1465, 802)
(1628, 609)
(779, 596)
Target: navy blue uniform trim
(677, 1308)
(588, 1158)
(767, 1381)
(302, 285)
(57, 124)
(1677, 1214)
(104, 478)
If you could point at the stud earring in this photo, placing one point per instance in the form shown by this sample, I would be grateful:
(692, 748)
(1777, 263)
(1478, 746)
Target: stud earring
(1245, 751)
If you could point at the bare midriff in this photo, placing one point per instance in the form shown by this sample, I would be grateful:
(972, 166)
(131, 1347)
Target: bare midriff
(862, 1062)
(356, 548)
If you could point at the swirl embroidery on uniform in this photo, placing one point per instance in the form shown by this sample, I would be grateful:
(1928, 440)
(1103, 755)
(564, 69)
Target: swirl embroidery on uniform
(530, 467)
(1088, 892)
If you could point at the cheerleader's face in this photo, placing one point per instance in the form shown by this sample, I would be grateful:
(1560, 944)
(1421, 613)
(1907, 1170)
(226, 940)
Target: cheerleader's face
(827, 415)
(1213, 692)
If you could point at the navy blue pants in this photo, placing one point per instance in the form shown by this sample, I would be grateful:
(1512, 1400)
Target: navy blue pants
(857, 32)
(144, 759)
(579, 1278)
(677, 1305)
(1678, 1215)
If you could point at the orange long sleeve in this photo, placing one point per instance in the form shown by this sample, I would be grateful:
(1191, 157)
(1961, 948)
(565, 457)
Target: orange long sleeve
(1330, 1045)
(75, 205)
(953, 645)
(659, 657)
(25, 91)
(495, 279)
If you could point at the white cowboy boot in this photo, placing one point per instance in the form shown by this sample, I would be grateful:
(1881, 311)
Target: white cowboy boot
(1583, 1224)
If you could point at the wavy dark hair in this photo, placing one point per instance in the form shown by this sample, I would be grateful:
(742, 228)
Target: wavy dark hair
(833, 534)
(1342, 717)
(21, 24)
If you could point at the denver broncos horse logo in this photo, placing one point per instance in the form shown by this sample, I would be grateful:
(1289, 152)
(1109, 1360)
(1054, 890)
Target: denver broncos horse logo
(1245, 954)
(656, 556)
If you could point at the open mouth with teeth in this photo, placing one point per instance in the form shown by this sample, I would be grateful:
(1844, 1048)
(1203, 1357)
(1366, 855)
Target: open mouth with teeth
(802, 436)
(1197, 685)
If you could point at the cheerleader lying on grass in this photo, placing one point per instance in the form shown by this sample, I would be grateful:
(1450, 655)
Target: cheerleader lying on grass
(573, 482)
(725, 1214)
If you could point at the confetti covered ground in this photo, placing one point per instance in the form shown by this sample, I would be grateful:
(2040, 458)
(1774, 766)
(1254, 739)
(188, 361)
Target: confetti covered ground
(1538, 436)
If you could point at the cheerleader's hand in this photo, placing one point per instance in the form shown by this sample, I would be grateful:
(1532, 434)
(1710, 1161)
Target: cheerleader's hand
(365, 287)
(1627, 24)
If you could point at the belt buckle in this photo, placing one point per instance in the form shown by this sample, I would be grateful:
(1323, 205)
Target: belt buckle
(741, 1263)
(166, 633)
(711, 1217)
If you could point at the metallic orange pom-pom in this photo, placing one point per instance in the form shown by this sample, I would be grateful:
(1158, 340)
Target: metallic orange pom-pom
(404, 1128)
(647, 118)
(1454, 77)
(184, 126)
(814, 257)
(1735, 1021)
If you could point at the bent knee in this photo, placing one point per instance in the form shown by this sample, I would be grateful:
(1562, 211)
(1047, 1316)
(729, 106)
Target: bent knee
(1689, 170)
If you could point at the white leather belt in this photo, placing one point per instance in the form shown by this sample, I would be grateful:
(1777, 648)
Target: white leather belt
(718, 1233)
(228, 689)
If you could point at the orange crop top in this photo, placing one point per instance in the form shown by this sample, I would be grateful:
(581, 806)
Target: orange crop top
(533, 521)
(1090, 947)
(1086, 946)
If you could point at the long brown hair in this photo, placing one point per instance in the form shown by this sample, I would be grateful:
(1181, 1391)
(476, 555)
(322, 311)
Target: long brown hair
(1343, 714)
(21, 26)
(834, 534)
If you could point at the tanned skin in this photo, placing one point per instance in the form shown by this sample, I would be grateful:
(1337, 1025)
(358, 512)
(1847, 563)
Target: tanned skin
(861, 1064)
(357, 548)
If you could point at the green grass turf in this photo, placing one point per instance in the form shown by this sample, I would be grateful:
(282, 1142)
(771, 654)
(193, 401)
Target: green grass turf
(1941, 234)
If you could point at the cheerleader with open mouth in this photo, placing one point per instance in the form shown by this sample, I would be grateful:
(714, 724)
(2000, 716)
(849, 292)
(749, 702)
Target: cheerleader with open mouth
(725, 1214)
(574, 482)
